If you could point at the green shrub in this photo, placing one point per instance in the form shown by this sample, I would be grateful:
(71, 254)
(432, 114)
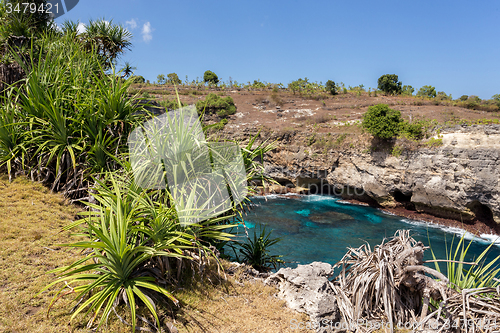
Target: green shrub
(413, 131)
(171, 104)
(463, 98)
(331, 87)
(258, 85)
(210, 77)
(396, 151)
(480, 273)
(474, 98)
(433, 142)
(137, 79)
(298, 85)
(161, 79)
(407, 90)
(222, 106)
(389, 84)
(496, 98)
(218, 126)
(427, 91)
(441, 95)
(173, 78)
(256, 251)
(382, 122)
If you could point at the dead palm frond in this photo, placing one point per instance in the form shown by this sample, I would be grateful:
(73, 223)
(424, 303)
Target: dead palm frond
(390, 283)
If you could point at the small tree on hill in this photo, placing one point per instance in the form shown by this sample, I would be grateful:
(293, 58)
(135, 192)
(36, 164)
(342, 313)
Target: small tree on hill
(173, 78)
(407, 90)
(210, 77)
(331, 87)
(382, 122)
(427, 91)
(161, 79)
(389, 84)
(496, 97)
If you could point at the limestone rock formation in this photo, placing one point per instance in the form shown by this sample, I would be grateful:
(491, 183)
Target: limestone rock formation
(458, 180)
(307, 289)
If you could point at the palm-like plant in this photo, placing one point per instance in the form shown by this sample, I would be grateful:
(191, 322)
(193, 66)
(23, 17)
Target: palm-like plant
(72, 114)
(256, 251)
(131, 233)
(463, 275)
(127, 70)
(107, 39)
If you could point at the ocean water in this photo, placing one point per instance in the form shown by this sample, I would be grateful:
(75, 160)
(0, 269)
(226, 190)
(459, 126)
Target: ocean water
(321, 228)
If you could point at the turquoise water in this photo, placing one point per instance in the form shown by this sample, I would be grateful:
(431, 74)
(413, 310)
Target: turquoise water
(320, 228)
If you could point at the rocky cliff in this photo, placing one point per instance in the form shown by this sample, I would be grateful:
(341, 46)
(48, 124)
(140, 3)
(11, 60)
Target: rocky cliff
(458, 180)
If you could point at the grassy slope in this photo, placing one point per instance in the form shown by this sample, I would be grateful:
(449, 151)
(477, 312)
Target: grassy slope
(30, 222)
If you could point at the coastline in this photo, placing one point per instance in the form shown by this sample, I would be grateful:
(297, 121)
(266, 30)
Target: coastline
(475, 227)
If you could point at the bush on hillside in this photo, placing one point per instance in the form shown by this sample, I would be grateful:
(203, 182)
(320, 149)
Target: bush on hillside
(298, 85)
(463, 98)
(382, 122)
(407, 90)
(441, 95)
(173, 78)
(330, 87)
(427, 91)
(258, 85)
(389, 84)
(210, 77)
(413, 131)
(222, 106)
(137, 79)
(161, 79)
(171, 104)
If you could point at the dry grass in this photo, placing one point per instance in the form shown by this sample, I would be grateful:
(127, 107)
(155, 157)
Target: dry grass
(30, 222)
(234, 306)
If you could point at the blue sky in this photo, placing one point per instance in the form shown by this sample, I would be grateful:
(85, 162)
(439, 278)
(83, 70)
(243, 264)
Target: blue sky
(451, 45)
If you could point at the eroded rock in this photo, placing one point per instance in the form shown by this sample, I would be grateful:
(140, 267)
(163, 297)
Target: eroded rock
(307, 289)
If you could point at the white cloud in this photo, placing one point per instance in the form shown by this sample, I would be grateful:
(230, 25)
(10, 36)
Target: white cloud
(132, 24)
(81, 28)
(147, 32)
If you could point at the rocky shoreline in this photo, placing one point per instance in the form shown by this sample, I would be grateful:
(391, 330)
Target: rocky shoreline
(474, 227)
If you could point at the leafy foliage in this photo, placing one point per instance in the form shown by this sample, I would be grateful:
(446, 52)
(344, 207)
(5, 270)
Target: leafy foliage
(222, 106)
(382, 122)
(69, 116)
(173, 78)
(441, 95)
(132, 233)
(128, 70)
(477, 274)
(298, 85)
(171, 104)
(463, 98)
(413, 131)
(107, 39)
(256, 251)
(258, 85)
(161, 79)
(389, 84)
(210, 77)
(137, 79)
(496, 98)
(331, 87)
(427, 91)
(407, 90)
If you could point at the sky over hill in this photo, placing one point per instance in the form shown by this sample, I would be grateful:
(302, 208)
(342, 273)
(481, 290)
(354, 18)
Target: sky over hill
(452, 45)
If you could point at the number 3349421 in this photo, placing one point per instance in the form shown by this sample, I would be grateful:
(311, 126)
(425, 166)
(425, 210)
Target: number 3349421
(31, 7)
